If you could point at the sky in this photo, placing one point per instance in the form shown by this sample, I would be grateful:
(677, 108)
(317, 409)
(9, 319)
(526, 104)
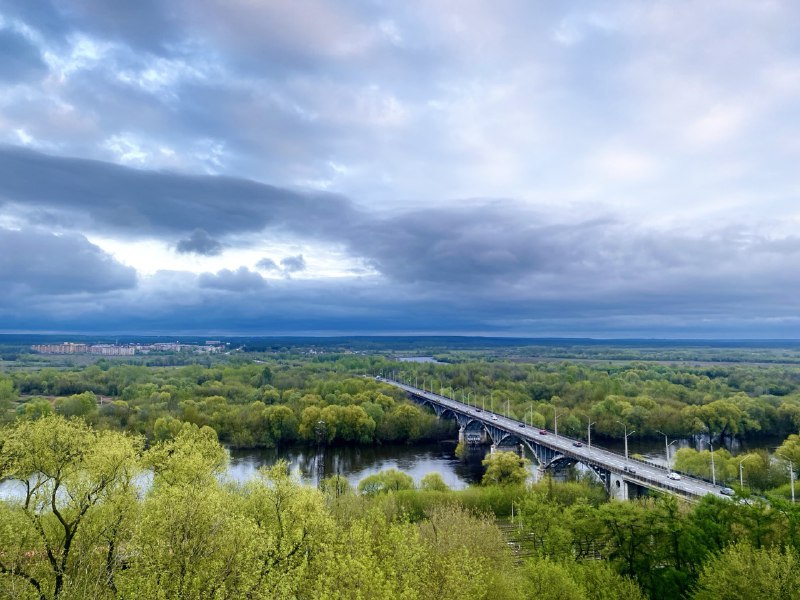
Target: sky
(606, 169)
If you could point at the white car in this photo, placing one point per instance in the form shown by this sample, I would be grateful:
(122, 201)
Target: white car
(675, 476)
(494, 417)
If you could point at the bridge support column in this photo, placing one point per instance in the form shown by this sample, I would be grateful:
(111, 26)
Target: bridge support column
(492, 448)
(462, 439)
(617, 487)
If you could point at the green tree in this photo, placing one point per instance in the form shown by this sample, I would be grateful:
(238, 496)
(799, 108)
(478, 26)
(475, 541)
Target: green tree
(433, 482)
(742, 572)
(505, 468)
(390, 480)
(194, 456)
(789, 450)
(77, 405)
(8, 395)
(74, 480)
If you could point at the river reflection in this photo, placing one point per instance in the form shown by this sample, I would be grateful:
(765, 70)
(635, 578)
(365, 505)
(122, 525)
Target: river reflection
(356, 463)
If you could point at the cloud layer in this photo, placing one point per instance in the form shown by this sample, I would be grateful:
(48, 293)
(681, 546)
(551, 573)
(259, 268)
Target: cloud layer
(521, 168)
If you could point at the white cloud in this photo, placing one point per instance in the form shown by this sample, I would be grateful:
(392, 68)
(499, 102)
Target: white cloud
(624, 164)
(721, 123)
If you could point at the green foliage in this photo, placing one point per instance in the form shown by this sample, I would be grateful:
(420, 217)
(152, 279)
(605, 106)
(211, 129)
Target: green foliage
(82, 528)
(62, 533)
(433, 482)
(505, 468)
(390, 480)
(77, 405)
(742, 572)
(550, 580)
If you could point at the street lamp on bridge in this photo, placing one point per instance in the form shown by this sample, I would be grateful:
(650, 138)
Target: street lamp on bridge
(666, 447)
(556, 414)
(713, 467)
(589, 433)
(625, 427)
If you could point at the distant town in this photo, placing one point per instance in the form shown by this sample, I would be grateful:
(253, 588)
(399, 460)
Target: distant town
(209, 347)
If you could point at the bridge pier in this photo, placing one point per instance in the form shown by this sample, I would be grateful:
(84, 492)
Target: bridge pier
(617, 487)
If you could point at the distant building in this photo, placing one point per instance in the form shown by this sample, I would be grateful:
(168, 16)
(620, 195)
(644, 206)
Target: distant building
(211, 346)
(65, 348)
(112, 350)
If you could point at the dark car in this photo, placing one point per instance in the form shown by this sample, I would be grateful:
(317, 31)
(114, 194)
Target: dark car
(522, 424)
(542, 432)
(577, 444)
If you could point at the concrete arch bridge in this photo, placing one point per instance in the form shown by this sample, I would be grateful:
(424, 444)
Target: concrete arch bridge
(623, 478)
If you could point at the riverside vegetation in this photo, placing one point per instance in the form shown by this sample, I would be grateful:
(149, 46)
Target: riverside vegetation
(82, 527)
(84, 524)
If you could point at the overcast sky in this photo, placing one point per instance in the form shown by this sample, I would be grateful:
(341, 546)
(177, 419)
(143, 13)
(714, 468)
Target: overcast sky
(499, 167)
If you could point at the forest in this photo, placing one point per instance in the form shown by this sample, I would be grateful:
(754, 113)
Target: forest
(85, 525)
(120, 491)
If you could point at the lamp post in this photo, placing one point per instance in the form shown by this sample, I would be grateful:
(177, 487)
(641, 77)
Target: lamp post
(741, 474)
(666, 447)
(713, 468)
(625, 428)
(555, 420)
(507, 408)
(589, 433)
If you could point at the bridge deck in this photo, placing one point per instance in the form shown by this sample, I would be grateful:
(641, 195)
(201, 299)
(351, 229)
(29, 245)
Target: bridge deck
(633, 471)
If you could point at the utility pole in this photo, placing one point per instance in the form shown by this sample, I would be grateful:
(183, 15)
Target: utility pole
(589, 433)
(555, 421)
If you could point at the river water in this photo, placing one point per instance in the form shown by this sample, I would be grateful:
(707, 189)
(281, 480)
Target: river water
(357, 462)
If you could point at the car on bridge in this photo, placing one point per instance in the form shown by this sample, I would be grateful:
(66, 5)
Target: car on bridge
(494, 417)
(577, 444)
(726, 491)
(522, 424)
(674, 476)
(542, 432)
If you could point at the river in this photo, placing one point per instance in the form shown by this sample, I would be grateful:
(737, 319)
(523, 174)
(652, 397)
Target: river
(357, 462)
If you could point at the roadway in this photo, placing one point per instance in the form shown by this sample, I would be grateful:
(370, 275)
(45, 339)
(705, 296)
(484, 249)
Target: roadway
(637, 472)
